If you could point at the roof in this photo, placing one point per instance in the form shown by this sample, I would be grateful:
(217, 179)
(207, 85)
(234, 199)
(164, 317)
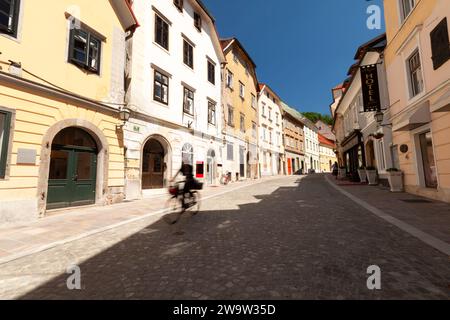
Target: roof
(227, 42)
(201, 4)
(263, 86)
(125, 14)
(324, 141)
(292, 112)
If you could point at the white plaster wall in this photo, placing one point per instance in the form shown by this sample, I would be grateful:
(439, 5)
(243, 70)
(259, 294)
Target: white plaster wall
(147, 53)
(276, 149)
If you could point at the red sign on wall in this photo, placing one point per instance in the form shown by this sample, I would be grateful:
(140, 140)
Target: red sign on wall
(200, 170)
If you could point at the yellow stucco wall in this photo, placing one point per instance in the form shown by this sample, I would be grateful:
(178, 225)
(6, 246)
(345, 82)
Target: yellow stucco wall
(42, 48)
(397, 32)
(34, 116)
(403, 38)
(242, 105)
(42, 43)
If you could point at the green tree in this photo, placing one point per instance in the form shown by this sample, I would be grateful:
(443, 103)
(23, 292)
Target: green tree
(315, 116)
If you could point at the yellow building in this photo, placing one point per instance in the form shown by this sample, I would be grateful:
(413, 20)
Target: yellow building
(61, 87)
(240, 111)
(327, 153)
(417, 60)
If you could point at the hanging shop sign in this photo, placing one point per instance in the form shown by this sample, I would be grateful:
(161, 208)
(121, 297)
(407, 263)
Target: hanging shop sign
(370, 88)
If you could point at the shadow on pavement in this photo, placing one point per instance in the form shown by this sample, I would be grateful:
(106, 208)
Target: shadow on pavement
(299, 242)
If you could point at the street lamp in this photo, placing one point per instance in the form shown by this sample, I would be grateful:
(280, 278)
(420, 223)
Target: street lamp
(124, 115)
(379, 116)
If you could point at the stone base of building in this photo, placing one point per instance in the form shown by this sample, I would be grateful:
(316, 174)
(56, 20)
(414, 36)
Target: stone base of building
(13, 211)
(439, 194)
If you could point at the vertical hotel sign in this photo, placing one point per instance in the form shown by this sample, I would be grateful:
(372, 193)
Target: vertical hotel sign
(370, 88)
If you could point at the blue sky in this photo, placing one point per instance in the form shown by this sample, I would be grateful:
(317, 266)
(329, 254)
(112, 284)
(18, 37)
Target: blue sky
(302, 48)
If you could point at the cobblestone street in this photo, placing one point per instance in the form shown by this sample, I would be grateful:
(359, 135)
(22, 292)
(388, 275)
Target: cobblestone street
(287, 238)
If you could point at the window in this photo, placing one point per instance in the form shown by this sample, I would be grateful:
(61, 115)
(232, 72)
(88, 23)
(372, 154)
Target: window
(211, 113)
(241, 90)
(242, 123)
(263, 109)
(161, 88)
(188, 101)
(230, 79)
(197, 21)
(211, 72)
(235, 58)
(5, 126)
(407, 7)
(188, 54)
(178, 4)
(187, 154)
(85, 50)
(270, 114)
(270, 138)
(9, 16)
(161, 32)
(230, 151)
(440, 44)
(230, 116)
(253, 101)
(254, 131)
(415, 74)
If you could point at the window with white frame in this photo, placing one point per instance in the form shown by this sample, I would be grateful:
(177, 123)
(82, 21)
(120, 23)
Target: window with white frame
(406, 7)
(241, 90)
(9, 16)
(188, 101)
(229, 79)
(415, 74)
(211, 113)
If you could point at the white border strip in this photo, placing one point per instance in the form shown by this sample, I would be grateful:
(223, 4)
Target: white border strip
(436, 243)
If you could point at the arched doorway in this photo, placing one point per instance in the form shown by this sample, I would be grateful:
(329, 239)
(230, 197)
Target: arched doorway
(73, 169)
(211, 166)
(153, 165)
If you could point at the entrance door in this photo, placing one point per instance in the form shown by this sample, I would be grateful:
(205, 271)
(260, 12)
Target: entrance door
(73, 170)
(153, 165)
(242, 162)
(289, 164)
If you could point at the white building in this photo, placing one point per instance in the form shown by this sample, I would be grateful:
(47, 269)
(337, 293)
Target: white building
(365, 143)
(174, 95)
(271, 148)
(312, 155)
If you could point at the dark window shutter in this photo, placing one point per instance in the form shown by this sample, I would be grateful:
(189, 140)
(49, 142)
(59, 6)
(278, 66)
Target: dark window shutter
(440, 45)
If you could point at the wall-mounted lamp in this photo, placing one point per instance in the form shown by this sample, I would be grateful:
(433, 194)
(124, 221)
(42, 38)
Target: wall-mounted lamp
(379, 118)
(124, 115)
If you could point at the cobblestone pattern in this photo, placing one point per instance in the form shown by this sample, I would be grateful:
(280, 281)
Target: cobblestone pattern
(290, 238)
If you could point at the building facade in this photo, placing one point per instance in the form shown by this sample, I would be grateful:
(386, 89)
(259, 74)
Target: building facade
(417, 60)
(312, 154)
(174, 95)
(327, 153)
(240, 127)
(294, 140)
(364, 142)
(61, 140)
(271, 150)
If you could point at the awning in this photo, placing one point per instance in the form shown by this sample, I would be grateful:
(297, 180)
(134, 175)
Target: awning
(415, 119)
(442, 104)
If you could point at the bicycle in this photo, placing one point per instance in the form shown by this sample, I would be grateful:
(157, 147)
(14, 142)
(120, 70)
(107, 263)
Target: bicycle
(180, 202)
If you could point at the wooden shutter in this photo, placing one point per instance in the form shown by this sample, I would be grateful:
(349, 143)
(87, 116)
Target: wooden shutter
(440, 45)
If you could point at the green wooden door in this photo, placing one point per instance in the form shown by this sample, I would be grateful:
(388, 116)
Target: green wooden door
(72, 177)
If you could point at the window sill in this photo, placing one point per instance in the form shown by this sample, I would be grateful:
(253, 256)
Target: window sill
(161, 47)
(161, 103)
